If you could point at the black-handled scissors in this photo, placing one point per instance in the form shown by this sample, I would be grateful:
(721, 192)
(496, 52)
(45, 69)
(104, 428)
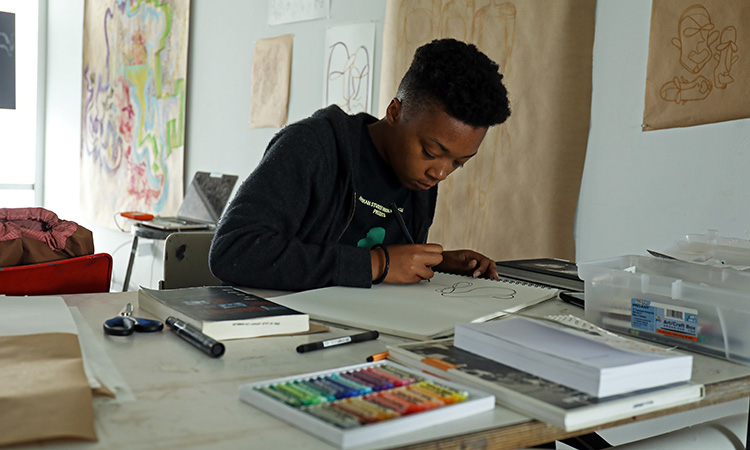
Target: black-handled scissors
(124, 324)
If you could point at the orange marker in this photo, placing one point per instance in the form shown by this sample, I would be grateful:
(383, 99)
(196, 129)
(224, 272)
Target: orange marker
(377, 356)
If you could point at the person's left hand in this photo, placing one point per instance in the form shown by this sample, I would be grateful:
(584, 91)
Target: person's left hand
(468, 262)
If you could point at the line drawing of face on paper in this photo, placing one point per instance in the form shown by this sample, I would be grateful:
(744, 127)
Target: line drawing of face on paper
(466, 289)
(707, 54)
(696, 34)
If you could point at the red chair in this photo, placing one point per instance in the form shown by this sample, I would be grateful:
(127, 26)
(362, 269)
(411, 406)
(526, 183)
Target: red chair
(80, 275)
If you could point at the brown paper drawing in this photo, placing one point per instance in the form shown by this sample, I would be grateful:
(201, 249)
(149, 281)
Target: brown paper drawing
(272, 68)
(697, 70)
(517, 198)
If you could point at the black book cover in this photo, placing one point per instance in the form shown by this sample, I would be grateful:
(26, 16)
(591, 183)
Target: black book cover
(218, 303)
(554, 272)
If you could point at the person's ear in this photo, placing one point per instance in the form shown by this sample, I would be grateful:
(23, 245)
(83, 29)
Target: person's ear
(393, 114)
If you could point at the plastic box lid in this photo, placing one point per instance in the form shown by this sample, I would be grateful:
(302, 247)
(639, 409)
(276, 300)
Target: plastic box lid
(712, 249)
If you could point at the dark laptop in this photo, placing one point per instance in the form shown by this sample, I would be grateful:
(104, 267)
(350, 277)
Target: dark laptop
(204, 201)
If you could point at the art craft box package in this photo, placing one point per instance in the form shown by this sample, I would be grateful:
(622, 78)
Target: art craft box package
(693, 306)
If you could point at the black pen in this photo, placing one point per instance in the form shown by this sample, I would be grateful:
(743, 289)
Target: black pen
(368, 336)
(401, 222)
(204, 343)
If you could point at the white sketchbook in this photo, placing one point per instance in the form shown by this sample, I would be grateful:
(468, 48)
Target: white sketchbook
(423, 310)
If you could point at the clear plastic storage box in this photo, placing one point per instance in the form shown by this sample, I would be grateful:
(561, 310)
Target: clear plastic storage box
(697, 307)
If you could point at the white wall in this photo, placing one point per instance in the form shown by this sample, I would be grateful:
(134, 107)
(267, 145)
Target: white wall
(218, 139)
(647, 189)
(222, 36)
(640, 190)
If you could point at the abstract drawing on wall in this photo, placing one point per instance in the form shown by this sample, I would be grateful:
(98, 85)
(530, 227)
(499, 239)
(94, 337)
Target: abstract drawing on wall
(272, 70)
(287, 11)
(517, 198)
(133, 106)
(697, 63)
(7, 60)
(348, 66)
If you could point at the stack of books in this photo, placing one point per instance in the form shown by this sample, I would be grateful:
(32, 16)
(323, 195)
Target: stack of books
(537, 397)
(600, 365)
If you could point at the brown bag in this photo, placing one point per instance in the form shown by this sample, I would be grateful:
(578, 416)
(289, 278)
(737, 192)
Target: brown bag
(36, 235)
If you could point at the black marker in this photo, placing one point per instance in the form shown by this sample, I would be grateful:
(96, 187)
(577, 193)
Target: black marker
(204, 343)
(401, 222)
(368, 336)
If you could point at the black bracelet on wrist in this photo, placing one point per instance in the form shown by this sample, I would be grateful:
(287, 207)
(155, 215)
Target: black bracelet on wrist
(387, 263)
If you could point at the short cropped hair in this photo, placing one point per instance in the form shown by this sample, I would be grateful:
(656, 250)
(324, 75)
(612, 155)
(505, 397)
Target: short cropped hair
(458, 77)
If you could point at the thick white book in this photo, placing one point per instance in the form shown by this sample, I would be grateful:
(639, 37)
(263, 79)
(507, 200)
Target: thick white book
(599, 364)
(424, 310)
(533, 396)
(321, 417)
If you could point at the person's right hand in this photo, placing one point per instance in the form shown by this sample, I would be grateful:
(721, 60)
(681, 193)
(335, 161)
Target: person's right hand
(408, 263)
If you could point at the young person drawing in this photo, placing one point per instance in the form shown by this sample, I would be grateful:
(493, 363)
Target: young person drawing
(320, 208)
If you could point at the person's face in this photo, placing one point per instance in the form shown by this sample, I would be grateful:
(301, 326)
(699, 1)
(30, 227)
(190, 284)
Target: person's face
(427, 145)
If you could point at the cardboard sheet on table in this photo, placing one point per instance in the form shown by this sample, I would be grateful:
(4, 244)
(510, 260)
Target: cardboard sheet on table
(45, 393)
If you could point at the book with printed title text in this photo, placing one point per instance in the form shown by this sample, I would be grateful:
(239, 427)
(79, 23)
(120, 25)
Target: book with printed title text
(223, 312)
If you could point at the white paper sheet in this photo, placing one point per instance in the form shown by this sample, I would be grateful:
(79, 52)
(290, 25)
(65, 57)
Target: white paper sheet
(35, 315)
(420, 310)
(287, 11)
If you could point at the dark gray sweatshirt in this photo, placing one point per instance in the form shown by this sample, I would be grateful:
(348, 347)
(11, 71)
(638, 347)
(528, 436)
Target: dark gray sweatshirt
(281, 230)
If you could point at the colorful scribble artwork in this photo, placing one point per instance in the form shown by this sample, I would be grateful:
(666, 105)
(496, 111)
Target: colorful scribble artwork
(133, 106)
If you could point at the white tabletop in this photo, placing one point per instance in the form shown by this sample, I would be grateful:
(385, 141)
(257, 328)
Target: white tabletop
(185, 399)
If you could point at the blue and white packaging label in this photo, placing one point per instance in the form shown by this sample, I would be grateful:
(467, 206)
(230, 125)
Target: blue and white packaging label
(669, 320)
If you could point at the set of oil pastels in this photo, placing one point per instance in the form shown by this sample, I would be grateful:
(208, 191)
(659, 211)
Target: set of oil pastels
(355, 405)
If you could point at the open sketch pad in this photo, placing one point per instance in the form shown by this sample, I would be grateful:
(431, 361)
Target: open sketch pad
(423, 310)
(203, 204)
